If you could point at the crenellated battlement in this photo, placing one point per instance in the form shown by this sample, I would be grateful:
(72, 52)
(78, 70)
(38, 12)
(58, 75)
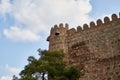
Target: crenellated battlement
(92, 25)
(59, 28)
(87, 29)
(99, 23)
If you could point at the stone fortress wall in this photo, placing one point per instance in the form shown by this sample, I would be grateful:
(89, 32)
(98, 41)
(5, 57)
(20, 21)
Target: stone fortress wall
(95, 47)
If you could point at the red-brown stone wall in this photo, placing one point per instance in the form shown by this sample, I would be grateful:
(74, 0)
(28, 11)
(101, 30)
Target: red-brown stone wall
(95, 49)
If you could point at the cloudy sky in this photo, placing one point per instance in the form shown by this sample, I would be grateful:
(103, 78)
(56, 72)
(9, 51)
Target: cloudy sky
(25, 25)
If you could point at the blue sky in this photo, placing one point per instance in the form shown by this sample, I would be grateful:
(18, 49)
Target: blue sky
(25, 25)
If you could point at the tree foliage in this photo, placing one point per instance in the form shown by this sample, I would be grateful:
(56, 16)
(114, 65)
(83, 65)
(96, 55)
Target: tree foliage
(50, 66)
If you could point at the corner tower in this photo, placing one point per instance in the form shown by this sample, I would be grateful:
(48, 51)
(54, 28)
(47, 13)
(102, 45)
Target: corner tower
(58, 38)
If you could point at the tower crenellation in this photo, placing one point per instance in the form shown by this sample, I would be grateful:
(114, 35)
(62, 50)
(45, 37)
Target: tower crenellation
(99, 22)
(92, 25)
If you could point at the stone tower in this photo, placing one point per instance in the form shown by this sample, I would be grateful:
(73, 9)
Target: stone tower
(58, 37)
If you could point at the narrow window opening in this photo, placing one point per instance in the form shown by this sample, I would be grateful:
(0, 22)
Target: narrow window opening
(57, 33)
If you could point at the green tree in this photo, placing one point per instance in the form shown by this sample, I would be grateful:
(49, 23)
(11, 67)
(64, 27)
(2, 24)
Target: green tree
(14, 78)
(50, 63)
(72, 73)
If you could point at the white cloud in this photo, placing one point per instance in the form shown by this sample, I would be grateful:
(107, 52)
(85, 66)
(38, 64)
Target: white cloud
(19, 34)
(5, 78)
(13, 70)
(10, 72)
(5, 7)
(40, 15)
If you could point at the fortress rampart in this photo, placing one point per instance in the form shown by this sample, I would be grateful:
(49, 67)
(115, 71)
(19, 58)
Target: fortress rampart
(90, 46)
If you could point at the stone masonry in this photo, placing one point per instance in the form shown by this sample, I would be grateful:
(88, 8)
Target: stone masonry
(95, 48)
